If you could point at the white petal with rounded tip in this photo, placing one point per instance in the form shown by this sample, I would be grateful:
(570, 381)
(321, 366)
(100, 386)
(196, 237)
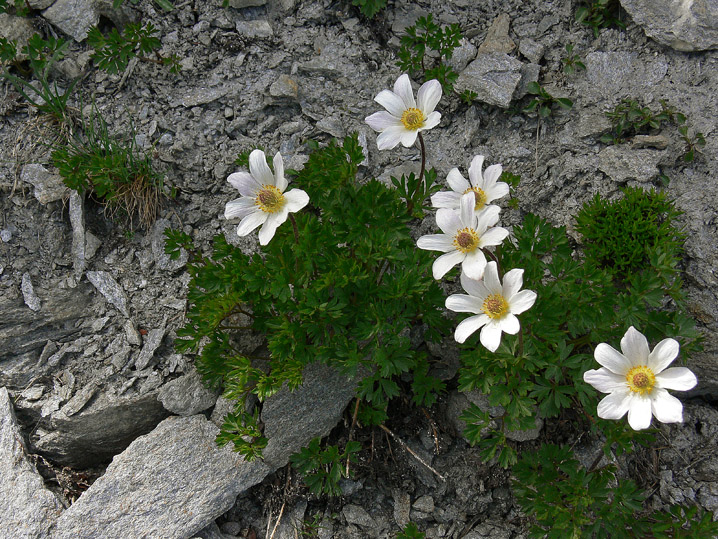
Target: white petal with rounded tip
(445, 262)
(436, 242)
(493, 236)
(269, 227)
(240, 208)
(663, 355)
(678, 378)
(492, 174)
(496, 191)
(513, 281)
(279, 180)
(382, 120)
(461, 303)
(474, 264)
(259, 168)
(612, 359)
(448, 221)
(491, 278)
(466, 210)
(490, 337)
(445, 199)
(635, 347)
(510, 324)
(296, 199)
(390, 137)
(428, 96)
(252, 221)
(408, 137)
(522, 301)
(391, 102)
(475, 176)
(456, 181)
(475, 287)
(402, 88)
(244, 183)
(470, 325)
(488, 217)
(614, 406)
(666, 407)
(431, 121)
(639, 412)
(605, 381)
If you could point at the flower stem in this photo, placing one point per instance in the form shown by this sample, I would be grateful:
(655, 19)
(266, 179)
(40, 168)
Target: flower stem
(423, 161)
(294, 227)
(495, 259)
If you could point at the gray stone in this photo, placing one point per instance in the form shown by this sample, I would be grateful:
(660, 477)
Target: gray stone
(254, 29)
(5, 235)
(622, 164)
(158, 240)
(92, 244)
(284, 86)
(187, 395)
(547, 22)
(202, 96)
(210, 532)
(48, 187)
(683, 26)
(40, 4)
(221, 408)
(497, 38)
(173, 482)
(152, 343)
(529, 73)
(402, 507)
(525, 435)
(494, 77)
(77, 221)
(74, 17)
(133, 336)
(241, 4)
(333, 126)
(462, 55)
(292, 419)
(80, 399)
(110, 289)
(614, 75)
(531, 50)
(14, 28)
(328, 62)
(27, 508)
(28, 293)
(358, 516)
(425, 504)
(291, 522)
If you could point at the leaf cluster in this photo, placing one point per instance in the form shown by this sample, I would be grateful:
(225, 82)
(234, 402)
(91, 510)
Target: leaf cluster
(572, 62)
(323, 468)
(369, 8)
(18, 7)
(544, 102)
(416, 191)
(597, 14)
(425, 36)
(411, 531)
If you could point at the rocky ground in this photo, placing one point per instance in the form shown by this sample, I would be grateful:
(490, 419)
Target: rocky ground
(95, 393)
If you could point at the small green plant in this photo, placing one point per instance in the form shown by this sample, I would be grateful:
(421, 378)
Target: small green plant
(572, 62)
(512, 180)
(369, 8)
(18, 7)
(411, 531)
(112, 169)
(323, 468)
(114, 51)
(598, 14)
(243, 425)
(544, 102)
(416, 192)
(693, 143)
(630, 118)
(468, 96)
(427, 36)
(8, 51)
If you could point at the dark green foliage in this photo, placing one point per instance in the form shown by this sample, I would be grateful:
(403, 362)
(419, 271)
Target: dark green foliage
(513, 182)
(347, 293)
(369, 8)
(18, 7)
(426, 36)
(8, 50)
(598, 14)
(323, 468)
(416, 192)
(630, 118)
(243, 424)
(544, 102)
(572, 62)
(693, 141)
(411, 531)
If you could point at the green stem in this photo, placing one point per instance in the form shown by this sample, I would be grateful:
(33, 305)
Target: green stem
(294, 227)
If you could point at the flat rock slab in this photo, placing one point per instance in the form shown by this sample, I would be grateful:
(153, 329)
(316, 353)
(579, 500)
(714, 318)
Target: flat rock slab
(27, 508)
(169, 483)
(493, 76)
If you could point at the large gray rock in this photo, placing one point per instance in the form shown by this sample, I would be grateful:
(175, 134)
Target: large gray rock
(494, 77)
(187, 395)
(614, 75)
(48, 186)
(74, 17)
(497, 38)
(172, 482)
(110, 289)
(683, 26)
(27, 508)
(77, 220)
(622, 164)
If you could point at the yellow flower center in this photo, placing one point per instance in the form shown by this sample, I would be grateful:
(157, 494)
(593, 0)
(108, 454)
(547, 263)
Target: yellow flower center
(466, 240)
(269, 199)
(495, 306)
(412, 119)
(479, 197)
(641, 379)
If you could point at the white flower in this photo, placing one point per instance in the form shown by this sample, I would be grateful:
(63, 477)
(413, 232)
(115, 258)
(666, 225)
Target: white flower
(464, 236)
(263, 201)
(405, 116)
(485, 187)
(494, 304)
(637, 379)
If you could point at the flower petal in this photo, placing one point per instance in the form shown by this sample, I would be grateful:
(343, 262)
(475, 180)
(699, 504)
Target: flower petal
(250, 222)
(456, 181)
(279, 180)
(488, 217)
(615, 405)
(493, 236)
(391, 102)
(408, 137)
(240, 207)
(509, 324)
(663, 355)
(635, 347)
(678, 378)
(466, 210)
(436, 242)
(382, 120)
(492, 175)
(639, 412)
(259, 168)
(445, 262)
(390, 137)
(522, 301)
(474, 264)
(266, 233)
(244, 183)
(612, 359)
(666, 407)
(475, 175)
(428, 96)
(490, 337)
(474, 287)
(491, 278)
(513, 281)
(431, 121)
(468, 326)
(448, 221)
(496, 191)
(296, 199)
(461, 303)
(402, 88)
(606, 381)
(446, 199)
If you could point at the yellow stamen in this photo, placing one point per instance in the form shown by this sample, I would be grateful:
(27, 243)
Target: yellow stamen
(479, 197)
(269, 199)
(495, 306)
(466, 240)
(412, 119)
(641, 379)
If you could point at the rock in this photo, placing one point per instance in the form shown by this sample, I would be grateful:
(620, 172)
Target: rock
(210, 532)
(529, 73)
(202, 96)
(92, 244)
(462, 55)
(20, 29)
(292, 419)
(547, 22)
(531, 50)
(329, 61)
(172, 482)
(291, 522)
(77, 221)
(40, 4)
(187, 395)
(402, 507)
(133, 336)
(254, 29)
(158, 240)
(358, 516)
(333, 126)
(622, 164)
(152, 343)
(80, 399)
(497, 38)
(221, 408)
(110, 289)
(683, 26)
(615, 75)
(284, 86)
(74, 17)
(48, 187)
(241, 4)
(525, 435)
(494, 77)
(5, 235)
(28, 293)
(425, 504)
(27, 508)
